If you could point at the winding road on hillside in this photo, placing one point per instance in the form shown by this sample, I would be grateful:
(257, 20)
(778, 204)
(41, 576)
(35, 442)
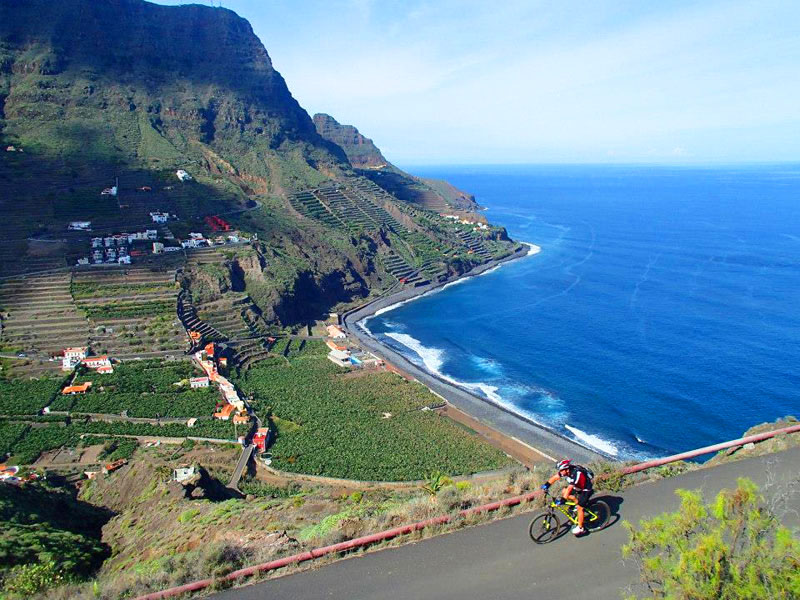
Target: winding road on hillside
(498, 561)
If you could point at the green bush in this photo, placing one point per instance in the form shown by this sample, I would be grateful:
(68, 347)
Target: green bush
(733, 549)
(28, 579)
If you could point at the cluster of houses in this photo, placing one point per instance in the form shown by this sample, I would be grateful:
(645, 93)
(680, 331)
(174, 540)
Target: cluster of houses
(232, 408)
(115, 249)
(463, 221)
(161, 217)
(340, 354)
(72, 357)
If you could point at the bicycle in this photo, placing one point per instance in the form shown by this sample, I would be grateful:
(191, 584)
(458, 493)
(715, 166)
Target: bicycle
(546, 525)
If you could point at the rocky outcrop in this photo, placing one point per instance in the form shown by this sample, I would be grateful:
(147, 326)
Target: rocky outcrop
(361, 152)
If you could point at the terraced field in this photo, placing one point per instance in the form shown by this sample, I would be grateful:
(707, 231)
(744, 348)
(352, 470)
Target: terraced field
(41, 318)
(360, 205)
(131, 311)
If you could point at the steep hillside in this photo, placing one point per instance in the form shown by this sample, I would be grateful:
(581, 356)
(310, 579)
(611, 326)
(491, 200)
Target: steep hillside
(129, 82)
(367, 159)
(124, 93)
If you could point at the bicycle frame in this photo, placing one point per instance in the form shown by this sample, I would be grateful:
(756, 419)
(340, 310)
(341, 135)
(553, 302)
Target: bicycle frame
(564, 509)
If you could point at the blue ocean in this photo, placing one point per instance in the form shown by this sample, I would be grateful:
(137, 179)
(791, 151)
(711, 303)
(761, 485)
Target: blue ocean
(661, 314)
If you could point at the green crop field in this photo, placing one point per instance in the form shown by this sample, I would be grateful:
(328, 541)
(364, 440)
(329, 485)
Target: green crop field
(27, 396)
(369, 427)
(143, 389)
(26, 443)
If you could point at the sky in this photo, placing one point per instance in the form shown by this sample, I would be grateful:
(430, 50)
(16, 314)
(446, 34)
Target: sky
(526, 81)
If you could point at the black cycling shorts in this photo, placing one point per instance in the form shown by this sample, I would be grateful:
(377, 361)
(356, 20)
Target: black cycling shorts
(583, 497)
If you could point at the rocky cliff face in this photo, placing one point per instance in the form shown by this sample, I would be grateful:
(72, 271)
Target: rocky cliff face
(365, 156)
(362, 153)
(131, 81)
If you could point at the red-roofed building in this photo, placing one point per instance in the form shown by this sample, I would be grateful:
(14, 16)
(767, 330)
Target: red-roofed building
(95, 362)
(76, 389)
(261, 438)
(225, 413)
(199, 382)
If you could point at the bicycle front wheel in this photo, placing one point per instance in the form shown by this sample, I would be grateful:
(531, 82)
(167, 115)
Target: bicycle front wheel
(544, 527)
(599, 518)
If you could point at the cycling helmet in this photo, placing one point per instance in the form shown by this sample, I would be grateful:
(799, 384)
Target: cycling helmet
(563, 464)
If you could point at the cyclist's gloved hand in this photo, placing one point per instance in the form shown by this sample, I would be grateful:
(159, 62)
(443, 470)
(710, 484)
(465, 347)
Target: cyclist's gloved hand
(545, 486)
(560, 501)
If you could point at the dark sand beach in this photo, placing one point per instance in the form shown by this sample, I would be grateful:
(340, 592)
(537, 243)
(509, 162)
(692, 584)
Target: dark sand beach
(500, 418)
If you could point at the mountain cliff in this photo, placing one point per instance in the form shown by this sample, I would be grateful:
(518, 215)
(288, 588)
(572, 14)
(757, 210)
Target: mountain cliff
(128, 81)
(104, 92)
(366, 157)
(361, 151)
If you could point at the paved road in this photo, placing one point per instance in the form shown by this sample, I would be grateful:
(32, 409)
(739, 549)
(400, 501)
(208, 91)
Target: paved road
(499, 562)
(247, 452)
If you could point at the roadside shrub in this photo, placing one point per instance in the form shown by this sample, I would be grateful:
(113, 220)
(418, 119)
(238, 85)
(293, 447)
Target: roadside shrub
(733, 548)
(25, 580)
(449, 499)
(671, 469)
(435, 482)
(608, 476)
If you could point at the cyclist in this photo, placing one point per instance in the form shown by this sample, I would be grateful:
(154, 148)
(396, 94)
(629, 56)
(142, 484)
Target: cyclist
(578, 490)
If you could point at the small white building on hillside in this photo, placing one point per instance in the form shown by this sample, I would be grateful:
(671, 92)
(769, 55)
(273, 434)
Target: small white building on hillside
(73, 356)
(198, 382)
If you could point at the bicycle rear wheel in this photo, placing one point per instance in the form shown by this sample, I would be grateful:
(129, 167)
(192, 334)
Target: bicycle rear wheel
(544, 527)
(602, 514)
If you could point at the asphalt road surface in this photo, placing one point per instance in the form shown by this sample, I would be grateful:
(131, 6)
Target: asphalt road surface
(498, 561)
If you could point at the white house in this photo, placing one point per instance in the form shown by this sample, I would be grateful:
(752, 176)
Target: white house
(158, 247)
(183, 175)
(196, 236)
(182, 474)
(339, 357)
(112, 191)
(159, 217)
(124, 260)
(152, 234)
(72, 356)
(80, 225)
(171, 248)
(199, 382)
(97, 242)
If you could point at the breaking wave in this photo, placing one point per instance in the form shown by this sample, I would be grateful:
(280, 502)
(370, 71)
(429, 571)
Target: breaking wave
(433, 360)
(594, 441)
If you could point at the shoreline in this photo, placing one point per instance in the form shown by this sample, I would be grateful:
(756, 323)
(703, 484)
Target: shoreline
(492, 414)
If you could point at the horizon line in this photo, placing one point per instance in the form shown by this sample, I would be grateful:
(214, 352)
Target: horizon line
(752, 163)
